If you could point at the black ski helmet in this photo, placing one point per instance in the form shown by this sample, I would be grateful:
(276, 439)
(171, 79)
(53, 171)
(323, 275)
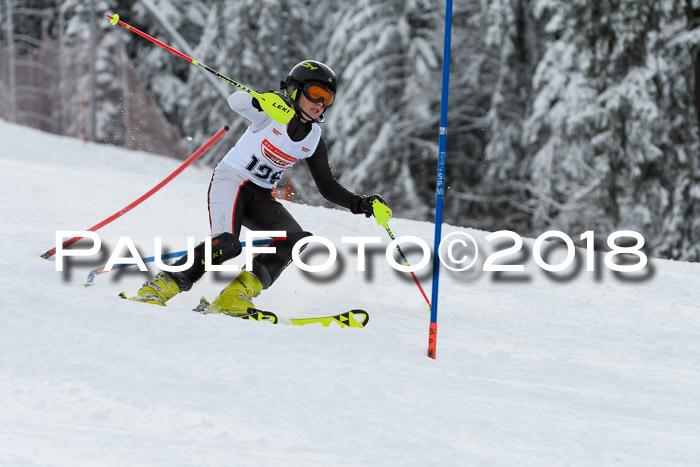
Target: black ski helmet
(311, 71)
(308, 71)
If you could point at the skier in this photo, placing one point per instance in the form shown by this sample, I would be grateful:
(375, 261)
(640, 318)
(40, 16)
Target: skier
(240, 192)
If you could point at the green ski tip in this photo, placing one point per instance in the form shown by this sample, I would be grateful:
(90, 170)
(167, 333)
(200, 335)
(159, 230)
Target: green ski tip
(114, 19)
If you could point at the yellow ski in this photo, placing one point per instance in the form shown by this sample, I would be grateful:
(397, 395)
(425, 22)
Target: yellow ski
(349, 319)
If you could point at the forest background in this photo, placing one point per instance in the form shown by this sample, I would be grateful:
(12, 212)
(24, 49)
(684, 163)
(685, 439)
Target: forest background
(572, 115)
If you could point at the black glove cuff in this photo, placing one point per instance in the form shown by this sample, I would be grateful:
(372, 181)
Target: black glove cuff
(356, 206)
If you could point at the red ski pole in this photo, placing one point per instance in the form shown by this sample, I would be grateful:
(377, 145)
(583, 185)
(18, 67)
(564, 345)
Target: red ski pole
(382, 214)
(147, 195)
(271, 103)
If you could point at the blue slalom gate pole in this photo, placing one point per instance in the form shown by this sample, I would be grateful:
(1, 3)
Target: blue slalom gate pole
(440, 187)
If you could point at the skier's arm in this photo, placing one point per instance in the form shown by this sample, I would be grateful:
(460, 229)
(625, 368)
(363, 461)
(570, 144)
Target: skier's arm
(242, 103)
(327, 185)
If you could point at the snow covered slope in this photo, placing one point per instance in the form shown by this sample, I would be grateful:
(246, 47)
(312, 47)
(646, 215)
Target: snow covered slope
(575, 368)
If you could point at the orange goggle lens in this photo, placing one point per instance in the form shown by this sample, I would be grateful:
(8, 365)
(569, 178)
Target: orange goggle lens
(316, 93)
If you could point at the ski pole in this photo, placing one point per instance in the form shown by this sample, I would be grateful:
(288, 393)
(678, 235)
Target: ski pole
(166, 180)
(271, 103)
(382, 214)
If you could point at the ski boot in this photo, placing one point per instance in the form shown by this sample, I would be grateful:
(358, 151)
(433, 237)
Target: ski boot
(157, 291)
(238, 296)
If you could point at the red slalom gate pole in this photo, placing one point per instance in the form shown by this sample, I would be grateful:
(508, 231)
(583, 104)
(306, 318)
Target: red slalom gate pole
(148, 194)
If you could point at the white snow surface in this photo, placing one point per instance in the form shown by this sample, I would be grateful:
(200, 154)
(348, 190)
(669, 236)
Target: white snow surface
(586, 370)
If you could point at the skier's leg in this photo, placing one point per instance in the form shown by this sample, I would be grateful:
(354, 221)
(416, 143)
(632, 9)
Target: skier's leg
(224, 247)
(265, 213)
(227, 200)
(273, 216)
(268, 267)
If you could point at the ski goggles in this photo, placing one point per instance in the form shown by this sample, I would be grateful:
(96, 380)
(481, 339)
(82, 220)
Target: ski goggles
(317, 93)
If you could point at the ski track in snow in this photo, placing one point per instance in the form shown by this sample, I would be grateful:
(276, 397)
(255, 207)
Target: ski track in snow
(534, 371)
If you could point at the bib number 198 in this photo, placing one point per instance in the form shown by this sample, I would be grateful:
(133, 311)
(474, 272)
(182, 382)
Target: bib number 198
(263, 171)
